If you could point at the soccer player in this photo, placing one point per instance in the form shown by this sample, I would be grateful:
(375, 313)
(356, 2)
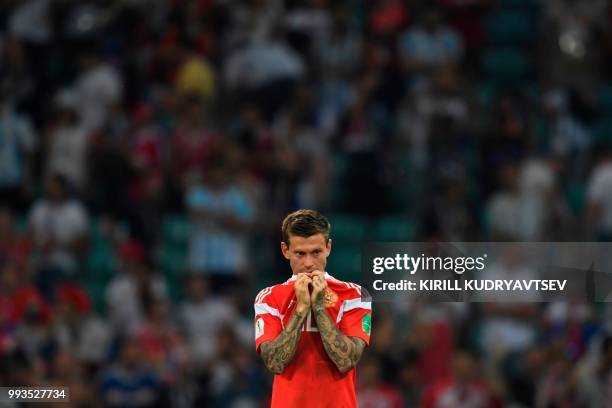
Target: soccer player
(311, 330)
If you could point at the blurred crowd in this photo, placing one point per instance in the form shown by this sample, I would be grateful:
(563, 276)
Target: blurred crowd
(149, 150)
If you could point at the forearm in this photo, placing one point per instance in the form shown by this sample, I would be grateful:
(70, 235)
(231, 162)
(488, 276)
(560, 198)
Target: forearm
(343, 350)
(278, 353)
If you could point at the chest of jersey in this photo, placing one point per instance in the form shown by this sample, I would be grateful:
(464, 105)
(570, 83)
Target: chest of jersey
(288, 303)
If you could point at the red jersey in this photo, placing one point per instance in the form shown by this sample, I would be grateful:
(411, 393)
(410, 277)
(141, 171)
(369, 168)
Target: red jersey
(311, 378)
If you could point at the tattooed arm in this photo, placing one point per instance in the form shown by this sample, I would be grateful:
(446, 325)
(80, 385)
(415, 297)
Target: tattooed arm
(343, 350)
(278, 353)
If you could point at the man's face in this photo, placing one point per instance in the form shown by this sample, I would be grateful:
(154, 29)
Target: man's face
(308, 254)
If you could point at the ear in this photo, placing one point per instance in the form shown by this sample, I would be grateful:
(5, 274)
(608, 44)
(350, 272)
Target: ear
(285, 250)
(329, 246)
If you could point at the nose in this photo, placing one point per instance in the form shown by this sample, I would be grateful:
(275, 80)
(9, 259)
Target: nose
(308, 262)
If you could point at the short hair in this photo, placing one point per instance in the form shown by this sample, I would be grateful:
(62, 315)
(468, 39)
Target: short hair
(305, 223)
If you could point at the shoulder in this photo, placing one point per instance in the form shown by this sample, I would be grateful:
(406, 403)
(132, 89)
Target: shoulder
(345, 290)
(275, 294)
(266, 294)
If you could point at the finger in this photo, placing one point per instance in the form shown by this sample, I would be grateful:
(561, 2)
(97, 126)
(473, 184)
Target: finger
(319, 284)
(318, 273)
(320, 278)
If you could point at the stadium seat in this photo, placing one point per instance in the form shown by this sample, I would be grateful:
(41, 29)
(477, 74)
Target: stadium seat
(509, 28)
(602, 130)
(604, 100)
(21, 223)
(523, 4)
(504, 64)
(344, 262)
(101, 262)
(394, 229)
(175, 288)
(97, 291)
(173, 262)
(348, 228)
(337, 193)
(176, 230)
(575, 194)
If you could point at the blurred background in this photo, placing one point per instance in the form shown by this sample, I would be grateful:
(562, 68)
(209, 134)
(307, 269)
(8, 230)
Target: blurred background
(150, 149)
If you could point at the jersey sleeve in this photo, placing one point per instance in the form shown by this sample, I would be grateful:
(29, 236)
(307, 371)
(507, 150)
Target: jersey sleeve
(268, 322)
(356, 320)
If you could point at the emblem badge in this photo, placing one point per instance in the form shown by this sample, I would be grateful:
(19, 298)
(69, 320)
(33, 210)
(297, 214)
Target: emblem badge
(330, 298)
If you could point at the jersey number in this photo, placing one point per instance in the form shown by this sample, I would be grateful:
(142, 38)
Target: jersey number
(310, 325)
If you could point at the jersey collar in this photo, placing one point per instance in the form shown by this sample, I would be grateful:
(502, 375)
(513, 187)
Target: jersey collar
(294, 277)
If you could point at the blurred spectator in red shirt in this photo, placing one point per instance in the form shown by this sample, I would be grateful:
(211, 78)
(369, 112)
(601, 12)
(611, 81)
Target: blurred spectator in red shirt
(463, 390)
(193, 141)
(388, 18)
(76, 329)
(372, 391)
(163, 346)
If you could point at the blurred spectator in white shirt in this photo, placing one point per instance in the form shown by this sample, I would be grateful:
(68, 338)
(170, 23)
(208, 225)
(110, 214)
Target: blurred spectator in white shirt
(68, 142)
(202, 315)
(18, 141)
(98, 90)
(59, 225)
(130, 291)
(221, 213)
(599, 197)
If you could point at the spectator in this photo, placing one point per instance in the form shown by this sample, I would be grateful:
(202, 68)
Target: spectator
(18, 142)
(129, 382)
(340, 51)
(133, 289)
(98, 89)
(59, 228)
(234, 379)
(568, 136)
(196, 77)
(192, 142)
(162, 343)
(13, 245)
(253, 21)
(222, 214)
(67, 371)
(266, 69)
(509, 327)
(594, 377)
(308, 24)
(598, 198)
(429, 45)
(387, 19)
(77, 330)
(298, 134)
(202, 315)
(68, 143)
(463, 389)
(441, 100)
(372, 391)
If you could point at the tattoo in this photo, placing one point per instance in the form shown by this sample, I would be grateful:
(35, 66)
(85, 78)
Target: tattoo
(343, 350)
(278, 353)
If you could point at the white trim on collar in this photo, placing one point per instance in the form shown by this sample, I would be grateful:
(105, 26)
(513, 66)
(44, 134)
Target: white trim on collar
(294, 277)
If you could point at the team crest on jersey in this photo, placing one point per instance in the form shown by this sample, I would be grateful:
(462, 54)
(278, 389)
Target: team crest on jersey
(330, 297)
